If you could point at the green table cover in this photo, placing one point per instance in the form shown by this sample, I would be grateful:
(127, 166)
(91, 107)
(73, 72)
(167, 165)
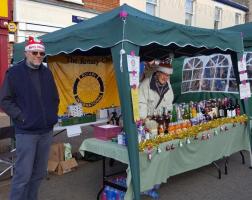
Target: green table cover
(169, 163)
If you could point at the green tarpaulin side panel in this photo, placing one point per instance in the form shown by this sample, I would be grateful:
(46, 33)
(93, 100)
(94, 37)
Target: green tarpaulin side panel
(248, 110)
(248, 49)
(129, 125)
(246, 31)
(105, 30)
(176, 80)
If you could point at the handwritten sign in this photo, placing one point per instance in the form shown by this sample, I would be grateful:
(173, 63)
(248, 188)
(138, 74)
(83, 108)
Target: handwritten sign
(243, 76)
(73, 131)
(133, 68)
(241, 66)
(245, 91)
(133, 63)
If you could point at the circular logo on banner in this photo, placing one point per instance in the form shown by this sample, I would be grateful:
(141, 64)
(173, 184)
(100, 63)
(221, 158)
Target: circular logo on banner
(95, 78)
(12, 27)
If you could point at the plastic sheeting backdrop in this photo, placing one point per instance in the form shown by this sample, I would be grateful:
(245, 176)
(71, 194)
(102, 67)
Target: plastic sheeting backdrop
(212, 73)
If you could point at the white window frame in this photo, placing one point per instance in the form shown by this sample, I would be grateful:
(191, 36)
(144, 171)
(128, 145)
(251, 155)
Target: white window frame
(152, 3)
(202, 71)
(237, 18)
(189, 12)
(219, 19)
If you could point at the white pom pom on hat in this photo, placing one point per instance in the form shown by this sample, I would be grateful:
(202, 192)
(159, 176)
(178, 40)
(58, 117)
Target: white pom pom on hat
(34, 44)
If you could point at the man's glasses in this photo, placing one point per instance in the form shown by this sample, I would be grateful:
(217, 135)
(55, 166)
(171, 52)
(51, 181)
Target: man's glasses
(35, 53)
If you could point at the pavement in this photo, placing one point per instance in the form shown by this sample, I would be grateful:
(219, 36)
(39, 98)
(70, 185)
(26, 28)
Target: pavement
(199, 184)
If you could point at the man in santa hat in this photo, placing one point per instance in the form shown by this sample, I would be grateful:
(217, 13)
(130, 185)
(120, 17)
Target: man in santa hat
(155, 91)
(29, 96)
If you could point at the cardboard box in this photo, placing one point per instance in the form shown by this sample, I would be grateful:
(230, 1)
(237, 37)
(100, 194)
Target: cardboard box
(66, 166)
(106, 132)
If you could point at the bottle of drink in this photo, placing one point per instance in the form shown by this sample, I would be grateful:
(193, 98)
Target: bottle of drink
(218, 105)
(193, 110)
(174, 113)
(221, 108)
(164, 112)
(237, 108)
(179, 114)
(154, 117)
(225, 107)
(167, 122)
(214, 108)
(160, 119)
(232, 107)
(229, 108)
(203, 107)
(184, 111)
(164, 120)
(186, 114)
(160, 130)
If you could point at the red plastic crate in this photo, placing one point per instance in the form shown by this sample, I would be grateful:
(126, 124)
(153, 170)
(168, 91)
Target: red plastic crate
(106, 132)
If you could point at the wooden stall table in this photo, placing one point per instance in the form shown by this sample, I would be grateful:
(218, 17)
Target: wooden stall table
(181, 159)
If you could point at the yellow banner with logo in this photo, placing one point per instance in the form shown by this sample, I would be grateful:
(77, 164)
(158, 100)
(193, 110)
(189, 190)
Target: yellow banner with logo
(4, 8)
(89, 80)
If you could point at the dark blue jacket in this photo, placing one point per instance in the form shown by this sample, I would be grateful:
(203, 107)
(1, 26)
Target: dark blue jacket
(31, 113)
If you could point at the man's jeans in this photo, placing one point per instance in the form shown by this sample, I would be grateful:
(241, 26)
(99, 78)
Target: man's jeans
(31, 165)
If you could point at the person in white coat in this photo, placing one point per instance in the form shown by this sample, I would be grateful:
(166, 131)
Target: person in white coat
(155, 91)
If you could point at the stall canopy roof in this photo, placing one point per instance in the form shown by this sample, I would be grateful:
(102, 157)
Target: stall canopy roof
(106, 30)
(246, 31)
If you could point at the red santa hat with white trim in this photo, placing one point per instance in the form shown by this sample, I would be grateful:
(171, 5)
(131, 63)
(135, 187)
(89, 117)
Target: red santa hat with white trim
(34, 44)
(164, 67)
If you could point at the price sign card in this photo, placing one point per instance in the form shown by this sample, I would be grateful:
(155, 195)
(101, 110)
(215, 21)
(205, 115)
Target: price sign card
(133, 63)
(244, 61)
(241, 66)
(245, 91)
(134, 79)
(133, 68)
(243, 76)
(73, 130)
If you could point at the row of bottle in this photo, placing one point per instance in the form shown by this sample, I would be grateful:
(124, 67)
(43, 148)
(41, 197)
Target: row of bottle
(210, 108)
(185, 115)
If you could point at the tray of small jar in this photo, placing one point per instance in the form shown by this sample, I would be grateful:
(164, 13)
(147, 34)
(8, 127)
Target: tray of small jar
(78, 120)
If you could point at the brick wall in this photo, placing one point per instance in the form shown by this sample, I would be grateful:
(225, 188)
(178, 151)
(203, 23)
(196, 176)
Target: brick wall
(101, 5)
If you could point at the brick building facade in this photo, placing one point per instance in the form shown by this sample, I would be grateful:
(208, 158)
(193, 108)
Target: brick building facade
(101, 5)
(98, 6)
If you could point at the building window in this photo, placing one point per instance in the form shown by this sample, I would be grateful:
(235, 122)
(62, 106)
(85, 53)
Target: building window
(237, 18)
(151, 7)
(188, 12)
(217, 18)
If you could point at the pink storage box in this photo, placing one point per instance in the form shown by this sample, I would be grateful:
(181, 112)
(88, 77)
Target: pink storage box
(106, 132)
